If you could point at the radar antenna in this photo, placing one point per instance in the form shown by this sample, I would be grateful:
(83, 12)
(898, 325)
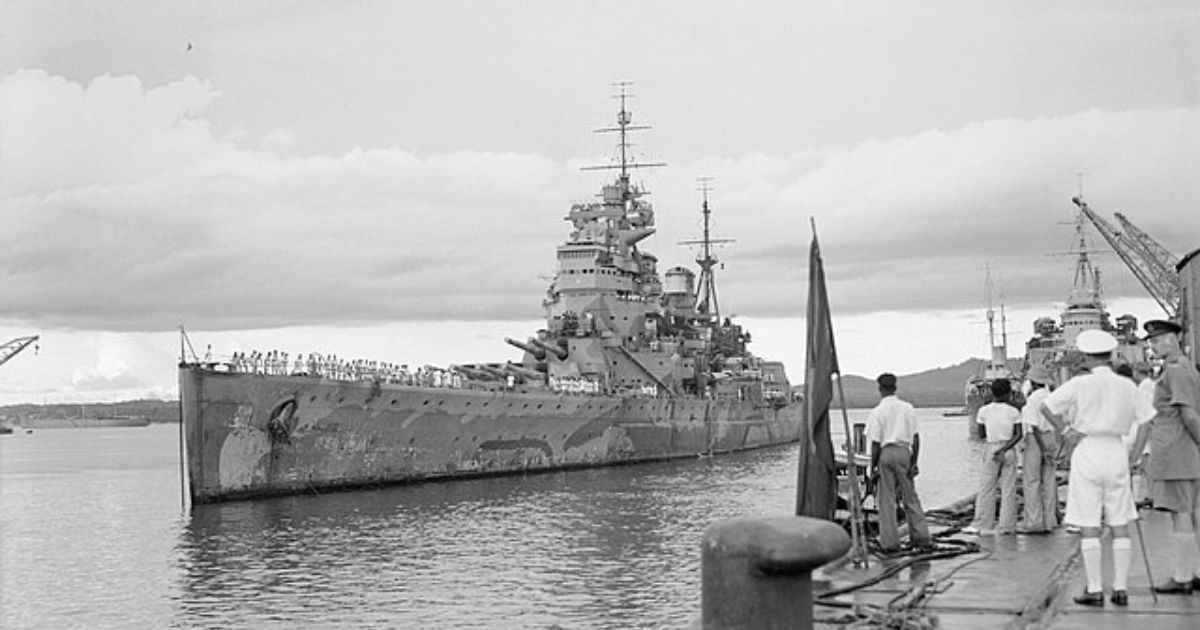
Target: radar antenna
(624, 126)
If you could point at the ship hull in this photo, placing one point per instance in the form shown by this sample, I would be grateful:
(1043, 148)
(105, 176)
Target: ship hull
(254, 435)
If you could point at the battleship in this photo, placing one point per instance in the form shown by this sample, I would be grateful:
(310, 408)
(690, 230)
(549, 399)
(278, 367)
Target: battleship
(630, 367)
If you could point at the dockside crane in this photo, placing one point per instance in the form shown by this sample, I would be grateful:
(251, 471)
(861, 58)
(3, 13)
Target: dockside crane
(10, 349)
(1152, 264)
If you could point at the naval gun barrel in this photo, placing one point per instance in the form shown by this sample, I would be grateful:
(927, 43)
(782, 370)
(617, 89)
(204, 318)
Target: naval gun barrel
(537, 352)
(524, 372)
(494, 371)
(561, 353)
(471, 372)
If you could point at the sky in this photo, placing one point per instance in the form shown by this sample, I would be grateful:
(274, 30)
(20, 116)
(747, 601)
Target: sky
(388, 180)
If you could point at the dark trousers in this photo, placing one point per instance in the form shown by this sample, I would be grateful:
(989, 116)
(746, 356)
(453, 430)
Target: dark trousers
(894, 464)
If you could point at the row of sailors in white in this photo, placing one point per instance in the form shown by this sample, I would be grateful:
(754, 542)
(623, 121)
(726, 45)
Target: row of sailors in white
(332, 367)
(574, 385)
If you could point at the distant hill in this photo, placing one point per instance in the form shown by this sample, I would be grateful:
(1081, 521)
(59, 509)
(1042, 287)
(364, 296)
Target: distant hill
(940, 387)
(152, 410)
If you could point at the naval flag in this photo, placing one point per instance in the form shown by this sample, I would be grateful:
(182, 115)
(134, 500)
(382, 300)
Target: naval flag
(816, 492)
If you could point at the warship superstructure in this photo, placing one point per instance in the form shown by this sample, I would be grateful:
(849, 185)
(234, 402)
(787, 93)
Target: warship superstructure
(1053, 341)
(630, 367)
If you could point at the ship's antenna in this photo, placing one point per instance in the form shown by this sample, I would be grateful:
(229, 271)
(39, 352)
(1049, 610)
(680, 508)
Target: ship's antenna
(991, 316)
(707, 258)
(624, 126)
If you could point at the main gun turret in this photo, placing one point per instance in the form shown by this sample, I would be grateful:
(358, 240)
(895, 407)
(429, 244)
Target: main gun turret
(538, 353)
(561, 353)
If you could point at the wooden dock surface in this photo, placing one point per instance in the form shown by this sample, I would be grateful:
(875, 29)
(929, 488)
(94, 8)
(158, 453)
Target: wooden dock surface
(1013, 581)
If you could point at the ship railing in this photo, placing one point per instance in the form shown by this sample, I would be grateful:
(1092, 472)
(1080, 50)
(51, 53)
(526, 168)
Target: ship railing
(334, 368)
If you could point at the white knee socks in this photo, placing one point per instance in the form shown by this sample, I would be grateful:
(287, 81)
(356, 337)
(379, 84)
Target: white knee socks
(1122, 555)
(1185, 546)
(1089, 548)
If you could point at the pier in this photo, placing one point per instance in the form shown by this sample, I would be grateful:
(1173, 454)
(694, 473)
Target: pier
(994, 582)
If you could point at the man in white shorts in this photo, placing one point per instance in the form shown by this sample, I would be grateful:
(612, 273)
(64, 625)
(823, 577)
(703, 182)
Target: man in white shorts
(1106, 406)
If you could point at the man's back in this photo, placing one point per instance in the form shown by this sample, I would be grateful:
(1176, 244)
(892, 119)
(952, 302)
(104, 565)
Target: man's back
(892, 421)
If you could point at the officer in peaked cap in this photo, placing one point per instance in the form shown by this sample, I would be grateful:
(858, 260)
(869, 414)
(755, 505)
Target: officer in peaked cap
(1175, 450)
(1106, 408)
(1156, 327)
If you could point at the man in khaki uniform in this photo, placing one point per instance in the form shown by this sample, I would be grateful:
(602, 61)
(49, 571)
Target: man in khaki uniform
(1174, 468)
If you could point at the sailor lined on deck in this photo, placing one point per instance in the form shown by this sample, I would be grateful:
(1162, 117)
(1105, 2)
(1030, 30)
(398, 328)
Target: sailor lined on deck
(895, 446)
(1041, 448)
(999, 463)
(1174, 465)
(1099, 491)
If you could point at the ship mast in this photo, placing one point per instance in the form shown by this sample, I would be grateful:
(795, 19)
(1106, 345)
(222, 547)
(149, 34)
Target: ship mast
(707, 259)
(1085, 291)
(624, 126)
(998, 362)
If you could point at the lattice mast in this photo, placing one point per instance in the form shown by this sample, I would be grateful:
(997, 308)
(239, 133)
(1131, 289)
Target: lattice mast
(707, 258)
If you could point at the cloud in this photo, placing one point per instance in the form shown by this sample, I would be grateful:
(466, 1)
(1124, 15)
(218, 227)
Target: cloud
(126, 212)
(911, 224)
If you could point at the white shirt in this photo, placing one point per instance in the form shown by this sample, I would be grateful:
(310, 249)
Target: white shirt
(1146, 391)
(1105, 403)
(892, 421)
(1031, 417)
(999, 418)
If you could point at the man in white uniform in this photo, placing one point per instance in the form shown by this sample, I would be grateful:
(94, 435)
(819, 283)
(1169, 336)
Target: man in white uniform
(1106, 406)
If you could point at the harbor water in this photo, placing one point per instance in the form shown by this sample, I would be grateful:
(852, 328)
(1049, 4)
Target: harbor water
(93, 535)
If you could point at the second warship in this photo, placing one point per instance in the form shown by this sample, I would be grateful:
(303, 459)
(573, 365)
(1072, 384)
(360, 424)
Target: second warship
(630, 367)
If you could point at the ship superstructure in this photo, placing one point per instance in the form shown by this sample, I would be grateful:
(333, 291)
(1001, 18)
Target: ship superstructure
(629, 367)
(1085, 309)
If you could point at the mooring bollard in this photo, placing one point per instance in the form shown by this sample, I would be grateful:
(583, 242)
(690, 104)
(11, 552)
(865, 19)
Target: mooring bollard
(757, 572)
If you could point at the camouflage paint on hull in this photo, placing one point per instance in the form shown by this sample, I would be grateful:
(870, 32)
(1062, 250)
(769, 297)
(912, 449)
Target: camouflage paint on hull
(253, 435)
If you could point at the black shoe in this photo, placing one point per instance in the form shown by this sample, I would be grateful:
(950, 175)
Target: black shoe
(1171, 587)
(1120, 598)
(1090, 599)
(1196, 583)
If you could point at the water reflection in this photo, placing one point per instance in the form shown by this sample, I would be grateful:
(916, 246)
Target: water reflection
(612, 547)
(602, 548)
